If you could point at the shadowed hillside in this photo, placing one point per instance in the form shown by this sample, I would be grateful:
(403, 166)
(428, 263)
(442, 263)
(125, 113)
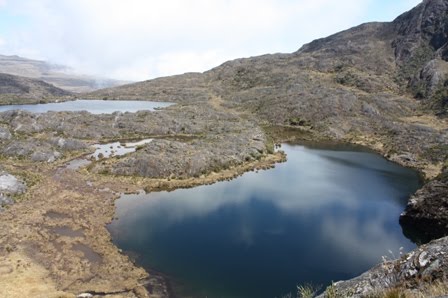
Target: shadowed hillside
(58, 75)
(19, 90)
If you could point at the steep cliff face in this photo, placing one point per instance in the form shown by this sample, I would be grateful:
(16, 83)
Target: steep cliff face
(425, 25)
(421, 50)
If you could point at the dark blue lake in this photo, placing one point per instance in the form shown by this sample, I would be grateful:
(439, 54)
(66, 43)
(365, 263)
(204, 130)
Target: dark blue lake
(327, 214)
(92, 106)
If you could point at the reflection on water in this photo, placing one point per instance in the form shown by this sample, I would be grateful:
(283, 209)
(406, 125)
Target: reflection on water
(92, 106)
(324, 215)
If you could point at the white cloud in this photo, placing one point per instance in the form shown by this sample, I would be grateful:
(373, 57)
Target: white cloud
(141, 39)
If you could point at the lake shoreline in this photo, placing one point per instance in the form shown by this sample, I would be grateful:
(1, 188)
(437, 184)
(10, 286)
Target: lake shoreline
(100, 192)
(263, 192)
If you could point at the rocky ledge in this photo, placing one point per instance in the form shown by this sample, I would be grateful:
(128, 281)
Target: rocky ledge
(426, 215)
(415, 270)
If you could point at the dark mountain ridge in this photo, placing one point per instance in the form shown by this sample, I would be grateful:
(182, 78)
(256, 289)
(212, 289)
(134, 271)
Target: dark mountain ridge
(19, 90)
(61, 76)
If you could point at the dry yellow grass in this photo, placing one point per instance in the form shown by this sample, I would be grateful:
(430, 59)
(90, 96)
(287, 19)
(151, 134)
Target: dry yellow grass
(21, 277)
(435, 289)
(427, 120)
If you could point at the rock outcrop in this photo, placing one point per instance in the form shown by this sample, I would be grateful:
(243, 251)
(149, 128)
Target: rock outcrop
(428, 263)
(208, 139)
(426, 215)
(9, 186)
(421, 48)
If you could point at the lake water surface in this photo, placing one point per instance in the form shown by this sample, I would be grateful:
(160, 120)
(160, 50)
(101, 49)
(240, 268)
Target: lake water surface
(92, 106)
(326, 214)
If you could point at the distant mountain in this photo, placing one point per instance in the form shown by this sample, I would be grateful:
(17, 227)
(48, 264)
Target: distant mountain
(20, 90)
(351, 73)
(58, 75)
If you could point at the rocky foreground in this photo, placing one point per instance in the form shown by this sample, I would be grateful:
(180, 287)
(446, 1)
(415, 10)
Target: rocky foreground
(382, 85)
(53, 240)
(426, 264)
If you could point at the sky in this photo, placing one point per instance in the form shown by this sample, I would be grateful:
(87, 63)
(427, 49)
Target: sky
(142, 39)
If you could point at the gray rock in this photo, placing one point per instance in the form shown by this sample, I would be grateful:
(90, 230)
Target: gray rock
(84, 295)
(68, 144)
(426, 214)
(19, 148)
(5, 200)
(36, 150)
(10, 184)
(4, 134)
(427, 263)
(45, 156)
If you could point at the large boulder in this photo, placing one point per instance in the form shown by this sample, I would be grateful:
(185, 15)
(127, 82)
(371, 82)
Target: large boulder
(9, 186)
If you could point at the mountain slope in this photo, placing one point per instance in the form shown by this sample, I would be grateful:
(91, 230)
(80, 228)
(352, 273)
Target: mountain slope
(370, 84)
(19, 90)
(58, 75)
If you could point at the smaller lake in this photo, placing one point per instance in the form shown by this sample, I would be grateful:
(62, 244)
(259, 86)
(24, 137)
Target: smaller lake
(327, 214)
(91, 106)
(117, 148)
(107, 150)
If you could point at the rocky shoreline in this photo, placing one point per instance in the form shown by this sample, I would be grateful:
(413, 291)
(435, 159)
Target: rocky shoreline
(57, 228)
(426, 214)
(411, 274)
(59, 214)
(380, 85)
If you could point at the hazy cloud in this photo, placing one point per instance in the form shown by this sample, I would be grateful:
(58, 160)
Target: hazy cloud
(141, 39)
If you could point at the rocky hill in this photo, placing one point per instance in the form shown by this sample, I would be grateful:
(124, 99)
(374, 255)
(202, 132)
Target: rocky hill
(380, 84)
(406, 57)
(383, 85)
(19, 90)
(58, 75)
